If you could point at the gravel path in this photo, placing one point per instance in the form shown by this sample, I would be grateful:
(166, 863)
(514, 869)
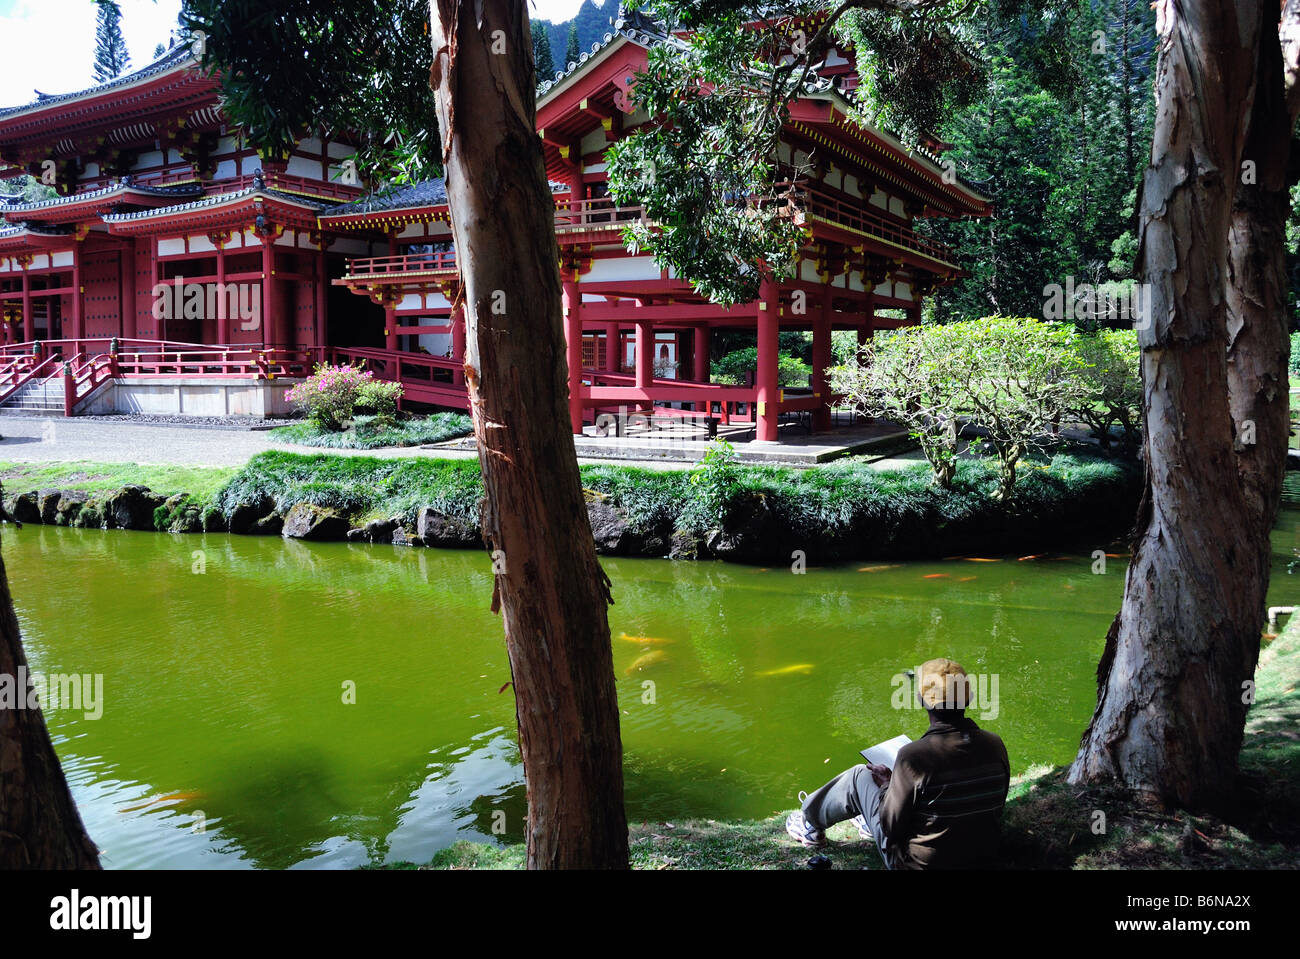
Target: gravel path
(118, 439)
(111, 440)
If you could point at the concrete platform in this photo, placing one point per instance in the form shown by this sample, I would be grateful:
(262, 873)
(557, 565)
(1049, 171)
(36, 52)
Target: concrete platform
(685, 445)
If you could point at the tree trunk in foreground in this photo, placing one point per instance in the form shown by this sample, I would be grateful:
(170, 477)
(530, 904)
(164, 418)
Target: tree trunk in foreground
(40, 827)
(552, 591)
(1171, 705)
(1258, 342)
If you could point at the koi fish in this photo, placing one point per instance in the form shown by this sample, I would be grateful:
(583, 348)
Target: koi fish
(802, 669)
(937, 576)
(979, 559)
(879, 569)
(646, 640)
(1035, 556)
(1117, 555)
(647, 659)
(966, 579)
(171, 797)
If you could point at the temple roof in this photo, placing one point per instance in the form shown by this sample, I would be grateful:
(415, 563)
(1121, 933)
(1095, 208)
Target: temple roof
(425, 195)
(120, 188)
(234, 197)
(179, 56)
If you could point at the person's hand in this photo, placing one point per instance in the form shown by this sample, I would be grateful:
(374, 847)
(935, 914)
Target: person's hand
(880, 774)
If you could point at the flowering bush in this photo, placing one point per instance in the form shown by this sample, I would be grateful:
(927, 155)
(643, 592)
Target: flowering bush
(330, 395)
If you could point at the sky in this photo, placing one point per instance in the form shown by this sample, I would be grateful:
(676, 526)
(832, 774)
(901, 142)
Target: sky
(50, 43)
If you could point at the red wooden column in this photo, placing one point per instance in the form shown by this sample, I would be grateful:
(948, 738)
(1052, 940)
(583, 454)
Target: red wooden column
(160, 332)
(700, 353)
(769, 393)
(268, 290)
(29, 321)
(390, 312)
(78, 323)
(645, 353)
(613, 348)
(573, 341)
(821, 359)
(223, 302)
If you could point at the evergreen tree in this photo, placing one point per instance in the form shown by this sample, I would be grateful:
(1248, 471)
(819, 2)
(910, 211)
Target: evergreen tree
(542, 56)
(111, 58)
(571, 51)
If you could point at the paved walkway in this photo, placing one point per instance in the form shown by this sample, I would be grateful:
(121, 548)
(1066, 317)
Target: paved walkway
(60, 440)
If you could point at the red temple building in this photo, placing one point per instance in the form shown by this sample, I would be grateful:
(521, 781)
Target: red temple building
(102, 289)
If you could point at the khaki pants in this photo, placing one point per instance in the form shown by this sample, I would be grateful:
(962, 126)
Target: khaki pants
(851, 793)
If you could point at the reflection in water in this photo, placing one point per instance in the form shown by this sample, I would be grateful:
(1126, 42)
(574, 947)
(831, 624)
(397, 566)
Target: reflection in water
(330, 705)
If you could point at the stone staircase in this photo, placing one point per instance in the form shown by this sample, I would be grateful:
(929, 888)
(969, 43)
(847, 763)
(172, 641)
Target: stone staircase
(37, 398)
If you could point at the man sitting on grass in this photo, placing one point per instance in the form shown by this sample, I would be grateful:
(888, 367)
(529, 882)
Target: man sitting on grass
(941, 805)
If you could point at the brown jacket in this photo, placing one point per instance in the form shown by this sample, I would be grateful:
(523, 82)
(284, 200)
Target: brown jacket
(943, 807)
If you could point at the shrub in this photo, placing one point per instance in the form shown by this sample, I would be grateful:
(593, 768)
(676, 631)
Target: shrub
(1112, 375)
(380, 398)
(715, 478)
(329, 396)
(732, 368)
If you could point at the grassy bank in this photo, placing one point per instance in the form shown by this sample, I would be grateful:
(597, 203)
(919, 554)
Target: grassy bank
(367, 433)
(839, 510)
(201, 482)
(1048, 823)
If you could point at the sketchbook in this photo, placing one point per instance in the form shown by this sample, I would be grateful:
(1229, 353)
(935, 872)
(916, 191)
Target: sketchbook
(886, 753)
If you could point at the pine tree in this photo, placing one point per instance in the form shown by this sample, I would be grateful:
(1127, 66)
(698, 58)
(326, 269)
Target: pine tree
(111, 58)
(542, 57)
(571, 51)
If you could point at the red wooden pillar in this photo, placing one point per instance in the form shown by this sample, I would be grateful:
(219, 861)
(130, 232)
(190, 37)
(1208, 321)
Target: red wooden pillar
(700, 353)
(268, 291)
(822, 358)
(78, 327)
(29, 321)
(223, 302)
(769, 394)
(573, 339)
(458, 346)
(645, 353)
(613, 348)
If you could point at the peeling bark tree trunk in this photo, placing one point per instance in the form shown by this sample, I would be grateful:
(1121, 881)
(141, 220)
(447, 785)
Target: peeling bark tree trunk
(40, 827)
(1258, 344)
(1171, 709)
(552, 591)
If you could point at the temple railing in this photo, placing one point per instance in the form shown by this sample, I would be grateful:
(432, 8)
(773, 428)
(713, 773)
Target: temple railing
(860, 217)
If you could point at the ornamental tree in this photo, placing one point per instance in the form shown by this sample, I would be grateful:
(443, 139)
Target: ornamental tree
(1112, 375)
(905, 376)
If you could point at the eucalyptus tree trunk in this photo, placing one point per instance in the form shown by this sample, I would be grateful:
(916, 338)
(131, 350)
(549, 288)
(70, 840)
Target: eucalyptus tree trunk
(40, 827)
(1173, 678)
(1258, 341)
(550, 588)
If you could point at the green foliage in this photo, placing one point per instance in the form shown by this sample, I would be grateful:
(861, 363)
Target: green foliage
(543, 60)
(369, 432)
(732, 368)
(571, 50)
(331, 395)
(1112, 375)
(290, 67)
(111, 56)
(1014, 377)
(1058, 141)
(1294, 361)
(715, 478)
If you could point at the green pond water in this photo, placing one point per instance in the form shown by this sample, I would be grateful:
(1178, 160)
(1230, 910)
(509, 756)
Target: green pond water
(225, 741)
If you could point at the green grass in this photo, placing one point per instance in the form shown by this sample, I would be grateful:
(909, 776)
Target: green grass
(366, 434)
(201, 482)
(1047, 824)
